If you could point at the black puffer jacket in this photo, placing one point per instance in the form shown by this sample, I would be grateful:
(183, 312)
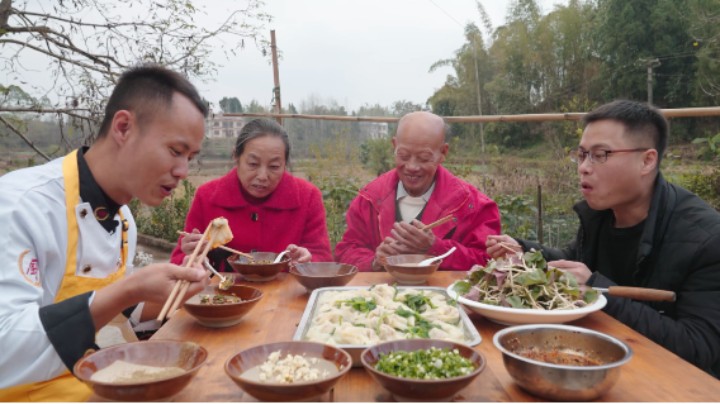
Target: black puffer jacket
(679, 250)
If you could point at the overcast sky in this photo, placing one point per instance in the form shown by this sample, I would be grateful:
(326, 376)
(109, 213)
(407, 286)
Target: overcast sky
(354, 52)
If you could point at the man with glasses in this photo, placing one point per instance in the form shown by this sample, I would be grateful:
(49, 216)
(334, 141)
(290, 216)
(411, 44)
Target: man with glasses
(388, 215)
(636, 229)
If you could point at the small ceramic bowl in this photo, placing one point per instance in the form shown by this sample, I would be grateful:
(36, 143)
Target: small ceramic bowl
(588, 362)
(315, 275)
(242, 368)
(405, 270)
(187, 356)
(406, 389)
(226, 314)
(260, 268)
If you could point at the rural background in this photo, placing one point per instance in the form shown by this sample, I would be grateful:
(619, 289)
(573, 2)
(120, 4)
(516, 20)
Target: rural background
(568, 60)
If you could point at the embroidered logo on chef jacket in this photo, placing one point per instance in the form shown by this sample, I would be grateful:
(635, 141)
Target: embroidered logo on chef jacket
(29, 268)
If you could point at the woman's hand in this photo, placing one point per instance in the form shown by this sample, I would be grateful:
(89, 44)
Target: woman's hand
(498, 246)
(190, 240)
(298, 254)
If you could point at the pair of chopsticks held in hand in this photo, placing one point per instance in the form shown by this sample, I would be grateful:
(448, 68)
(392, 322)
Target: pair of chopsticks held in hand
(436, 223)
(216, 234)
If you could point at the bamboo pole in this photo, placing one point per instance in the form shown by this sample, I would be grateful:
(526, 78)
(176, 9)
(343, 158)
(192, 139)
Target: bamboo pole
(276, 77)
(569, 116)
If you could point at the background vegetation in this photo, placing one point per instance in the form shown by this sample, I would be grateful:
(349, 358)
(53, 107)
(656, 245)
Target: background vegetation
(578, 56)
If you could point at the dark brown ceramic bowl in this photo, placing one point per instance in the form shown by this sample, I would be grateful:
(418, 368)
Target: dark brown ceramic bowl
(223, 315)
(402, 269)
(237, 365)
(602, 357)
(260, 268)
(419, 389)
(315, 275)
(161, 353)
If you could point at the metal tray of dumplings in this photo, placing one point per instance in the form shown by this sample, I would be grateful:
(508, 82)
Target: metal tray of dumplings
(472, 337)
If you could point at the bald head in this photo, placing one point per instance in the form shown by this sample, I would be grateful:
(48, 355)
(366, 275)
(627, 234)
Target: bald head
(422, 126)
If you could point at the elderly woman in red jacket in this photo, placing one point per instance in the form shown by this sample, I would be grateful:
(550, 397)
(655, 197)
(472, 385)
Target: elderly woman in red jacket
(268, 209)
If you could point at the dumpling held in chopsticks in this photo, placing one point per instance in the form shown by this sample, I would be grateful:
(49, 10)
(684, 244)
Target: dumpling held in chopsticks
(220, 233)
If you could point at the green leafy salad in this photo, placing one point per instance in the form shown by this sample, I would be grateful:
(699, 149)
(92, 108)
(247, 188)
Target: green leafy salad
(524, 281)
(432, 363)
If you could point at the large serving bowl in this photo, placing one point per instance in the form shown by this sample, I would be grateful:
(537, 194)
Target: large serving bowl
(418, 389)
(260, 268)
(242, 367)
(405, 270)
(315, 275)
(188, 356)
(227, 314)
(595, 360)
(513, 316)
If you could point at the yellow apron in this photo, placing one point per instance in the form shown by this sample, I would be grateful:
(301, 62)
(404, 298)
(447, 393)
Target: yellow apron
(66, 387)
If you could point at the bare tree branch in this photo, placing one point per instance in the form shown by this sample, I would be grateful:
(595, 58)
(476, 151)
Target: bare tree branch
(88, 43)
(23, 137)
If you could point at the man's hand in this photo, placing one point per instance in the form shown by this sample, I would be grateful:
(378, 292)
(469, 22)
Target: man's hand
(412, 238)
(581, 271)
(498, 246)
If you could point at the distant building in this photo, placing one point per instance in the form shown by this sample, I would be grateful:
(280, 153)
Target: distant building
(218, 125)
(373, 130)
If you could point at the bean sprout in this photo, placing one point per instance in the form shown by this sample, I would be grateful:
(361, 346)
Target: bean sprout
(524, 281)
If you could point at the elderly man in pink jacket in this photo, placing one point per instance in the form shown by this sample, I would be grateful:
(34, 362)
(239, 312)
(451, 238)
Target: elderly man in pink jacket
(387, 216)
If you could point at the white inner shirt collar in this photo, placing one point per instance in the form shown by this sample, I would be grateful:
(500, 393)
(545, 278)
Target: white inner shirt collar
(401, 192)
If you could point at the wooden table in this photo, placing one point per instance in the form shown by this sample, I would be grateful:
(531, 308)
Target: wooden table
(653, 374)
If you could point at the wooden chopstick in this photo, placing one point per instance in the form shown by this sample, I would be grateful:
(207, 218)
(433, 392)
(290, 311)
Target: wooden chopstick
(224, 247)
(438, 222)
(186, 285)
(180, 283)
(507, 247)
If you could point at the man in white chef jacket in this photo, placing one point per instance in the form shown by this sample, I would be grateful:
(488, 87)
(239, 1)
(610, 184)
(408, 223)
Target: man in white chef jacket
(68, 239)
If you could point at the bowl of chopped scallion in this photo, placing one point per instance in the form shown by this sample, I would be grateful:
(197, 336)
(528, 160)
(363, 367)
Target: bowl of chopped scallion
(423, 369)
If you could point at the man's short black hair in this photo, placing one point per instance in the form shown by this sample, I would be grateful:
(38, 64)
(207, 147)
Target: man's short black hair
(146, 90)
(640, 119)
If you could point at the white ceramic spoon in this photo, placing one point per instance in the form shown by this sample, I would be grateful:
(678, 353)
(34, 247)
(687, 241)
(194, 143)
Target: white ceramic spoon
(430, 260)
(225, 282)
(280, 257)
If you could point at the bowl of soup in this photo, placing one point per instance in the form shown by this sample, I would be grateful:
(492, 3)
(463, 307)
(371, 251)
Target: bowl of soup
(261, 267)
(217, 308)
(315, 275)
(288, 371)
(562, 362)
(141, 371)
(405, 269)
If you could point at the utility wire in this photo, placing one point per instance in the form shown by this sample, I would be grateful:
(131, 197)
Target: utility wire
(446, 13)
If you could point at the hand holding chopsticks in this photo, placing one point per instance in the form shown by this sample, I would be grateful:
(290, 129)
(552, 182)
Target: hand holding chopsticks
(217, 233)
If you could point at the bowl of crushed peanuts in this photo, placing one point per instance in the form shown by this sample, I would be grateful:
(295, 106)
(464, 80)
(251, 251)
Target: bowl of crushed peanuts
(288, 371)
(218, 308)
(422, 369)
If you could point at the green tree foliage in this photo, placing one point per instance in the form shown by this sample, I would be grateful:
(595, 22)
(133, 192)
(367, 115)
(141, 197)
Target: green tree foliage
(376, 155)
(631, 33)
(582, 54)
(231, 105)
(165, 220)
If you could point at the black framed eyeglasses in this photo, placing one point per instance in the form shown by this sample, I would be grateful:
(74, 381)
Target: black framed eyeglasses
(600, 155)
